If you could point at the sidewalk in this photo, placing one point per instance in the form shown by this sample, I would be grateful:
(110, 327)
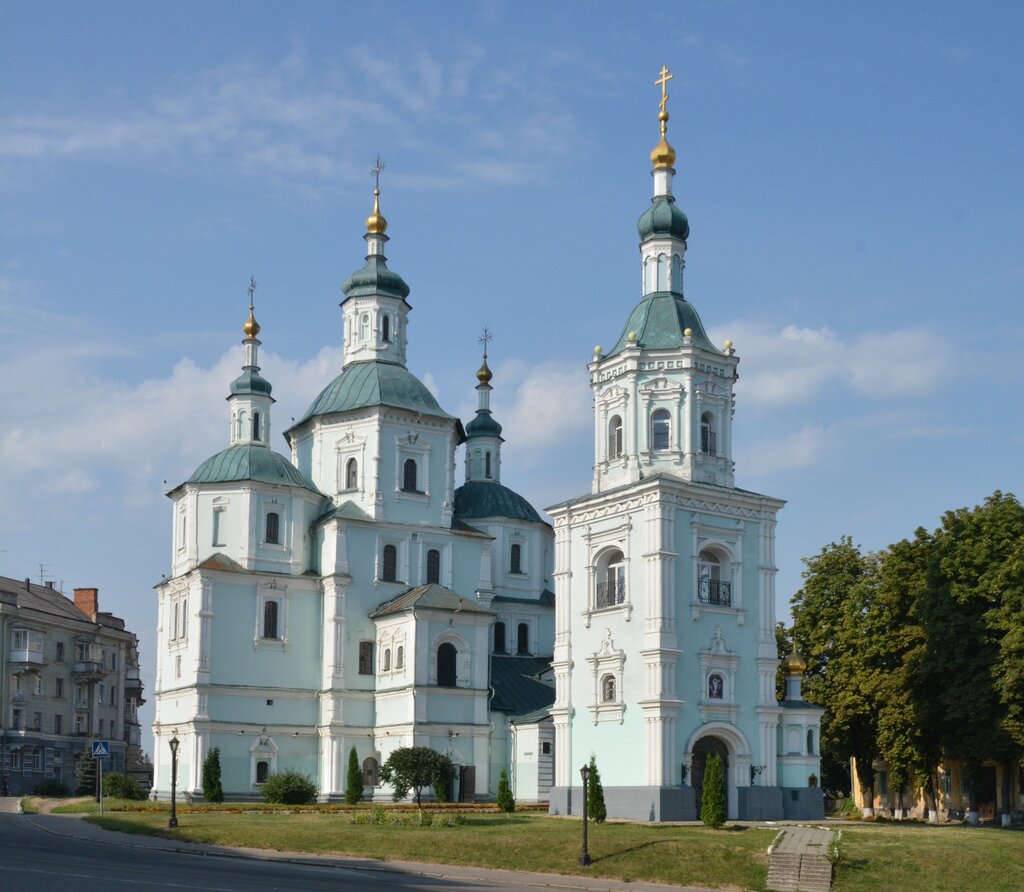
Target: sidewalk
(72, 826)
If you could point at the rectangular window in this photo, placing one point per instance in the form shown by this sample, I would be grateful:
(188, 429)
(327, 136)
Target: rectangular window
(113, 696)
(271, 609)
(174, 625)
(37, 721)
(16, 760)
(217, 531)
(38, 686)
(103, 692)
(366, 658)
(183, 631)
(58, 724)
(101, 727)
(545, 747)
(39, 760)
(113, 660)
(59, 689)
(177, 666)
(60, 651)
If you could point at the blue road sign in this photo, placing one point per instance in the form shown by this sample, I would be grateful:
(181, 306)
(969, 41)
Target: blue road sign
(100, 748)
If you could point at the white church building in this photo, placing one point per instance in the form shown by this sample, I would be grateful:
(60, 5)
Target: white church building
(352, 595)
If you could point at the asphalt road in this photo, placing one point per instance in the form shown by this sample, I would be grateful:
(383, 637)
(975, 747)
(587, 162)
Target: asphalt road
(35, 854)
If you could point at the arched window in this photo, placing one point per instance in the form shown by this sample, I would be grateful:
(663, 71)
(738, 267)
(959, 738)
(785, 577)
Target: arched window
(371, 772)
(499, 638)
(708, 437)
(409, 475)
(387, 660)
(364, 327)
(270, 610)
(615, 437)
(389, 564)
(611, 579)
(711, 588)
(608, 691)
(487, 465)
(433, 566)
(262, 771)
(385, 328)
(446, 657)
(273, 531)
(515, 564)
(243, 420)
(716, 687)
(662, 273)
(523, 639)
(256, 426)
(400, 658)
(352, 474)
(661, 430)
(810, 742)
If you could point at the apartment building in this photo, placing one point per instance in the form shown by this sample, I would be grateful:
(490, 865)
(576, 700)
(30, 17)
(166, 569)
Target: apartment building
(71, 675)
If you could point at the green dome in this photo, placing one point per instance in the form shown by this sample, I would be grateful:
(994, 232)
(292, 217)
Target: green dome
(486, 499)
(249, 462)
(375, 278)
(251, 381)
(483, 425)
(663, 217)
(363, 384)
(659, 321)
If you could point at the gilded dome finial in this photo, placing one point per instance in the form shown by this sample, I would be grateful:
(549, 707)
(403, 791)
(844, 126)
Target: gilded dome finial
(663, 155)
(251, 327)
(375, 223)
(484, 374)
(794, 664)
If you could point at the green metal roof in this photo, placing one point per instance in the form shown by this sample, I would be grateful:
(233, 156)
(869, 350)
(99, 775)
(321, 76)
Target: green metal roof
(250, 462)
(375, 278)
(663, 217)
(481, 498)
(432, 596)
(374, 383)
(518, 688)
(251, 381)
(483, 425)
(659, 321)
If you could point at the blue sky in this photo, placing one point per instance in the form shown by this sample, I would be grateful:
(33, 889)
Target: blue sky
(852, 176)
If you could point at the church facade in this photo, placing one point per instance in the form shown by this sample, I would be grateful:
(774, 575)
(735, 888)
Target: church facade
(665, 646)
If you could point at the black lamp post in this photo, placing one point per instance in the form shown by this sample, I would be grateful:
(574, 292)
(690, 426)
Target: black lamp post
(585, 855)
(174, 744)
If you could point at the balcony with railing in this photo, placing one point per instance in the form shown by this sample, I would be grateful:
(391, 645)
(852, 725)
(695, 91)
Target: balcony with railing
(81, 705)
(716, 592)
(611, 593)
(88, 669)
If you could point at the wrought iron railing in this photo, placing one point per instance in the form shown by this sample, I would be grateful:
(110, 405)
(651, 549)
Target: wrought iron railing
(715, 591)
(611, 593)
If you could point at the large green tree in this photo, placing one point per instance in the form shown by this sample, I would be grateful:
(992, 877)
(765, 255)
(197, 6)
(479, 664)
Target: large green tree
(416, 768)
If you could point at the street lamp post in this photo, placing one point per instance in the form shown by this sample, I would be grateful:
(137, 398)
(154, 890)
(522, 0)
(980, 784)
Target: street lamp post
(174, 743)
(585, 855)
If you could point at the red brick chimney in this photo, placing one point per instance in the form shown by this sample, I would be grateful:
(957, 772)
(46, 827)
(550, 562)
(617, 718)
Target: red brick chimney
(88, 601)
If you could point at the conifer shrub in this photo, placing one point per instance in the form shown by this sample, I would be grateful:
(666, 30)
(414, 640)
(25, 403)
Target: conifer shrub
(712, 800)
(121, 786)
(596, 809)
(213, 791)
(51, 787)
(85, 773)
(506, 801)
(289, 788)
(354, 779)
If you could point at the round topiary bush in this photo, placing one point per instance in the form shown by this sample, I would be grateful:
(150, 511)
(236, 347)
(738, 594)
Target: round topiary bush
(120, 786)
(51, 787)
(289, 788)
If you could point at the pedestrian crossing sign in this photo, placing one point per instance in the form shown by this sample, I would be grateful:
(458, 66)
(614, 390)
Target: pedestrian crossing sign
(100, 748)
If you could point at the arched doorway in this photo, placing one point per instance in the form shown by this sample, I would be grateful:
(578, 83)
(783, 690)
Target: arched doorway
(702, 750)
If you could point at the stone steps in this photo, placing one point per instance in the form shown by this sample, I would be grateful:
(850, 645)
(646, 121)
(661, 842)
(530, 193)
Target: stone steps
(793, 872)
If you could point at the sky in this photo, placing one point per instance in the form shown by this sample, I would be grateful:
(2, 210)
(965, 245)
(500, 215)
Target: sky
(852, 175)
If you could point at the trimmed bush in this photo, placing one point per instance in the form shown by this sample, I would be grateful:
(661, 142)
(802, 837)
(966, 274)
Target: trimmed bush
(712, 800)
(52, 788)
(213, 791)
(354, 779)
(506, 802)
(120, 786)
(289, 788)
(596, 809)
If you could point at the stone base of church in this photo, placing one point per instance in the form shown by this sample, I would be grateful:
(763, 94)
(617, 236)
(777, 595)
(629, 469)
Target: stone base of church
(633, 803)
(678, 804)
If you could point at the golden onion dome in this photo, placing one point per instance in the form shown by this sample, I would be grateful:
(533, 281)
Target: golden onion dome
(794, 664)
(375, 223)
(251, 327)
(483, 374)
(663, 155)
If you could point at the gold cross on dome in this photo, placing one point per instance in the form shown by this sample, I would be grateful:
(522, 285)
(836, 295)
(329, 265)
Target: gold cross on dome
(251, 289)
(663, 82)
(485, 339)
(376, 171)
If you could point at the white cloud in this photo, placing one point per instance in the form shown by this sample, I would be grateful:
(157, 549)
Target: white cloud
(800, 449)
(795, 365)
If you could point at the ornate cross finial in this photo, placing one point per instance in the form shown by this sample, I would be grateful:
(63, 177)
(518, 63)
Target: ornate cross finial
(663, 82)
(251, 289)
(376, 171)
(485, 338)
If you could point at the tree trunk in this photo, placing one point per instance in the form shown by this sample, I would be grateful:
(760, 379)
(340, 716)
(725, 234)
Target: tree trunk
(866, 780)
(1008, 767)
(931, 805)
(972, 799)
